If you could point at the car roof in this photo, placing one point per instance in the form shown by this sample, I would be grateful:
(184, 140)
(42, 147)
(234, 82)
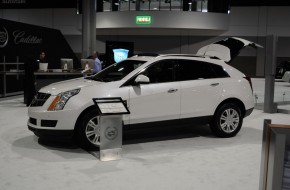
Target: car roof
(151, 58)
(203, 58)
(148, 57)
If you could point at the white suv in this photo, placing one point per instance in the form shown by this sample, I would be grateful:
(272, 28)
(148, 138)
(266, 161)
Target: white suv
(158, 90)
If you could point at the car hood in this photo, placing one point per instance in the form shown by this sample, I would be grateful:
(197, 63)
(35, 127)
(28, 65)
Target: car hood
(56, 88)
(226, 49)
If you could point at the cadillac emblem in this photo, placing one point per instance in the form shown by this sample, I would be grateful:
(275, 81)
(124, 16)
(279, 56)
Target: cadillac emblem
(111, 133)
(3, 37)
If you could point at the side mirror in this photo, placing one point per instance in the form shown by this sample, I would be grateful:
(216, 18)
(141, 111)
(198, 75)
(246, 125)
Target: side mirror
(142, 79)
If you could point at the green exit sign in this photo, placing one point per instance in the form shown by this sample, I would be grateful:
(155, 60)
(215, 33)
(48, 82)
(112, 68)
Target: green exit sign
(143, 19)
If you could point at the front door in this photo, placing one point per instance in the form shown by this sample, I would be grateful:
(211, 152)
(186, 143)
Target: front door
(160, 99)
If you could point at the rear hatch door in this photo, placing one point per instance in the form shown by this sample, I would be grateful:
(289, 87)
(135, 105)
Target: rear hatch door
(226, 49)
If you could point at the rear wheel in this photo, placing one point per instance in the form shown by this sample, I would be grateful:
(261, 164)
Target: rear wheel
(88, 131)
(227, 120)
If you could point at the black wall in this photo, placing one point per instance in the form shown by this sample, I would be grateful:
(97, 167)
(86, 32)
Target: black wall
(26, 41)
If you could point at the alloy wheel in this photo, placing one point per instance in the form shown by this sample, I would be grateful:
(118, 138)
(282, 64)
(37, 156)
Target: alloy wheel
(229, 120)
(92, 131)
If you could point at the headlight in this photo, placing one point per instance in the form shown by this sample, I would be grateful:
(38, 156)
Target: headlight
(61, 99)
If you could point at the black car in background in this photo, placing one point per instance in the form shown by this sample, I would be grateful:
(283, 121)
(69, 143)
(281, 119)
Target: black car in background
(281, 69)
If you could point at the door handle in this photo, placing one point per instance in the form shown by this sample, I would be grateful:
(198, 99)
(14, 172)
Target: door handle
(172, 90)
(214, 84)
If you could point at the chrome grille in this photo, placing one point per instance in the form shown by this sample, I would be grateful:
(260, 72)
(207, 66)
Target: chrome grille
(39, 99)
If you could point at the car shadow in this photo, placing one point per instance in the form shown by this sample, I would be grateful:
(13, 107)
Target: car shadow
(145, 135)
(135, 140)
(47, 150)
(51, 144)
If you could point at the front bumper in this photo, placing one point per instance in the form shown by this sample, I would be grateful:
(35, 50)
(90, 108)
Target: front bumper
(40, 118)
(59, 135)
(58, 125)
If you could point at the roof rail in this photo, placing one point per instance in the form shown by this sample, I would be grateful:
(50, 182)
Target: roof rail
(183, 55)
(148, 54)
(189, 55)
(176, 55)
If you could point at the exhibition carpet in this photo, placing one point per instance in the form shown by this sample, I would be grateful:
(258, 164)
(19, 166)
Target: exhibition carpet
(192, 159)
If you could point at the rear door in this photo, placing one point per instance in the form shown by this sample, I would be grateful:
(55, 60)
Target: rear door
(200, 87)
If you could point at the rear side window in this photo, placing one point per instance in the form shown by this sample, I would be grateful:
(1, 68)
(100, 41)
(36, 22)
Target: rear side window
(219, 71)
(194, 70)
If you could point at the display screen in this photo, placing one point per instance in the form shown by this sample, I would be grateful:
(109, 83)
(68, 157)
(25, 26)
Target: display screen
(118, 51)
(66, 63)
(120, 54)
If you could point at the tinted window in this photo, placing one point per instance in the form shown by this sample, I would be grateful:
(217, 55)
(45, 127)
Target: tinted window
(162, 71)
(193, 70)
(219, 71)
(233, 44)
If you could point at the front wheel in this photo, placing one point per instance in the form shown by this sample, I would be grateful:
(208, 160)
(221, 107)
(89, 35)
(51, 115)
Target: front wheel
(227, 121)
(88, 131)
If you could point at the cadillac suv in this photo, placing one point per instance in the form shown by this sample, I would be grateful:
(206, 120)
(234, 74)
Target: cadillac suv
(158, 90)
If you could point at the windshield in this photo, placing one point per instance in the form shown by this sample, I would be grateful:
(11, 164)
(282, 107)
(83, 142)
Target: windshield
(117, 71)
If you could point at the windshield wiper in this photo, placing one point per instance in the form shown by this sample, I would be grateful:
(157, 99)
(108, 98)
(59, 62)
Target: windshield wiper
(89, 78)
(94, 78)
(97, 79)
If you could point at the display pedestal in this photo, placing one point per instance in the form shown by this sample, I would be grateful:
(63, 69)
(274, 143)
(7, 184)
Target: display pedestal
(111, 112)
(111, 137)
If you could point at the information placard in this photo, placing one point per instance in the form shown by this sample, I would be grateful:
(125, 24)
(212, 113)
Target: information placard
(111, 106)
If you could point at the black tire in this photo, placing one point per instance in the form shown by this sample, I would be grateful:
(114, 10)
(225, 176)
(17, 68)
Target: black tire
(227, 121)
(88, 123)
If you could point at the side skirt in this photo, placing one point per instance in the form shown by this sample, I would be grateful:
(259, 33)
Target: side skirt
(172, 123)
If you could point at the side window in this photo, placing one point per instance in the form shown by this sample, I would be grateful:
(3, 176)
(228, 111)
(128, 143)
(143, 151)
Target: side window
(219, 71)
(194, 70)
(162, 71)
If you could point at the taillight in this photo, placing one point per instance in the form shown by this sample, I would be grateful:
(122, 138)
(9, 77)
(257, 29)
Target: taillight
(250, 82)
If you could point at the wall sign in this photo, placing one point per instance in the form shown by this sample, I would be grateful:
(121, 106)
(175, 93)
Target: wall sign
(25, 41)
(13, 1)
(143, 20)
(18, 37)
(3, 37)
(34, 4)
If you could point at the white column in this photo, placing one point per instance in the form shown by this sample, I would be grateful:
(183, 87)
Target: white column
(88, 27)
(93, 14)
(261, 35)
(270, 69)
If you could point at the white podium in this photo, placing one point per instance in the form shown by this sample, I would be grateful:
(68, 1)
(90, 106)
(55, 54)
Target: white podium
(111, 112)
